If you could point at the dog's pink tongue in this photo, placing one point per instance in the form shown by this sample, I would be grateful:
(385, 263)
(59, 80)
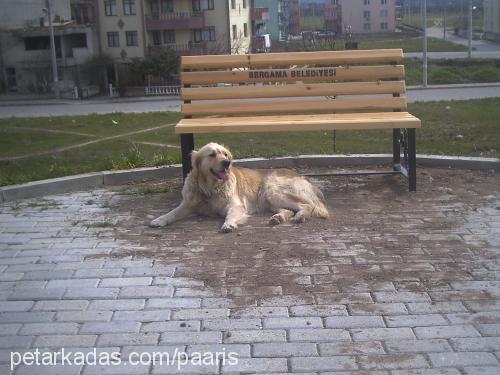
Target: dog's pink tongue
(223, 175)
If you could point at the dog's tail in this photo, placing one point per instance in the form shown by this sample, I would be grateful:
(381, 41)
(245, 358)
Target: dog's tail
(319, 207)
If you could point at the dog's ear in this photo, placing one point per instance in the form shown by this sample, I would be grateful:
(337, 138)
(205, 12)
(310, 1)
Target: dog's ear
(195, 160)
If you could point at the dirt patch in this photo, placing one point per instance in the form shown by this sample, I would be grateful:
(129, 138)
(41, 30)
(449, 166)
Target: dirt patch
(380, 238)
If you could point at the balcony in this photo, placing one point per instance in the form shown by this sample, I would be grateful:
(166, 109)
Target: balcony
(173, 21)
(260, 14)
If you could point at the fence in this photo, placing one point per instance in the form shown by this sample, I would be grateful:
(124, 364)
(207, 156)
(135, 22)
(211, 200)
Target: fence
(162, 90)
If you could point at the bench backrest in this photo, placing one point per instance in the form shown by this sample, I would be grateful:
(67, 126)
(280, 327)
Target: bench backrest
(278, 83)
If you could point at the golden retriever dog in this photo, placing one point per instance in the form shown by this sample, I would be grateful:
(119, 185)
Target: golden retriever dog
(214, 186)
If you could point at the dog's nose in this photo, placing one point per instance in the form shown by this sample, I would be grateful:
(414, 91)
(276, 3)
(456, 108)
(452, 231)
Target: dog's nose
(226, 163)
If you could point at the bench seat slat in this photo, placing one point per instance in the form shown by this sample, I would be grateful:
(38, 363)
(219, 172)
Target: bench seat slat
(294, 90)
(293, 106)
(391, 56)
(347, 121)
(341, 73)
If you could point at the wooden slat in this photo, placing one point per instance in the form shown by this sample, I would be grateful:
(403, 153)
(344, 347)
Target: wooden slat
(350, 121)
(392, 56)
(293, 106)
(293, 90)
(341, 73)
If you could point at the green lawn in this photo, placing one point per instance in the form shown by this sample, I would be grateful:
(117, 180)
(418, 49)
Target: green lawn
(447, 71)
(394, 40)
(469, 128)
(435, 18)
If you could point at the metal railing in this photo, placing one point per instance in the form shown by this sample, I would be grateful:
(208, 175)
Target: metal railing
(162, 90)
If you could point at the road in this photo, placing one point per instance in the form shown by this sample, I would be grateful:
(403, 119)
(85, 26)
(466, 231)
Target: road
(44, 108)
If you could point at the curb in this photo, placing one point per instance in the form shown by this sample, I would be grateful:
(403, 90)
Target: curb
(95, 180)
(454, 86)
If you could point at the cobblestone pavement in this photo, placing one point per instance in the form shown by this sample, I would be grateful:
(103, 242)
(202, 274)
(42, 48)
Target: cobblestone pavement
(394, 283)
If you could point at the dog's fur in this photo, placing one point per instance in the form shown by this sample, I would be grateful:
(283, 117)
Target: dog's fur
(215, 187)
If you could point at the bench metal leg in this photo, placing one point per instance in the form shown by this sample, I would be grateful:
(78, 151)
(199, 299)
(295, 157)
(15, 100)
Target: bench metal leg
(412, 161)
(187, 146)
(396, 148)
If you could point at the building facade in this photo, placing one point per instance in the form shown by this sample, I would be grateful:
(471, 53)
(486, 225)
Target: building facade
(129, 28)
(492, 19)
(366, 16)
(25, 55)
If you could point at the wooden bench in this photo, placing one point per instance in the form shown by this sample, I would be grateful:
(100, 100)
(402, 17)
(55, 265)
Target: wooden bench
(298, 91)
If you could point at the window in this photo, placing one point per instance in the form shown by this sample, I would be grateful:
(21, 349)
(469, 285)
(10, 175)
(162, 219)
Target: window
(156, 38)
(245, 30)
(367, 2)
(244, 4)
(384, 13)
(383, 2)
(367, 27)
(169, 36)
(167, 6)
(383, 26)
(113, 39)
(235, 32)
(199, 5)
(110, 7)
(132, 40)
(204, 35)
(129, 7)
(233, 4)
(366, 14)
(335, 2)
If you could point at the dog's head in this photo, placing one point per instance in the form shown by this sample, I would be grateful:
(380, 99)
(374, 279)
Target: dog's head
(213, 160)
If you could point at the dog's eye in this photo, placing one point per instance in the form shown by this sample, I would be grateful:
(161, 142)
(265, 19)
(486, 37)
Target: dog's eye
(212, 155)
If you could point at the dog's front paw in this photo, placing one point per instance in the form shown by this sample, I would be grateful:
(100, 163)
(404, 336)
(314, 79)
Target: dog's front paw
(157, 223)
(276, 219)
(228, 227)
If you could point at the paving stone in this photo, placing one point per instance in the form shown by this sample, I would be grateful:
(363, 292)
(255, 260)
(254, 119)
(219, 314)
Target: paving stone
(122, 339)
(74, 283)
(26, 317)
(241, 350)
(401, 297)
(146, 292)
(52, 370)
(418, 346)
(49, 328)
(489, 329)
(481, 370)
(84, 316)
(427, 371)
(110, 327)
(173, 303)
(77, 305)
(471, 344)
(231, 324)
(36, 294)
(62, 341)
(318, 310)
(253, 365)
(318, 335)
(7, 329)
(365, 334)
(174, 326)
(294, 322)
(191, 338)
(182, 368)
(378, 308)
(122, 304)
(143, 316)
(323, 363)
(446, 332)
(415, 320)
(284, 350)
(125, 281)
(461, 360)
(354, 321)
(124, 368)
(255, 336)
(436, 307)
(15, 306)
(91, 293)
(12, 342)
(200, 314)
(259, 312)
(392, 361)
(350, 348)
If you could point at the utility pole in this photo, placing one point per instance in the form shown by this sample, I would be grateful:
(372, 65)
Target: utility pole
(469, 51)
(444, 19)
(52, 49)
(424, 57)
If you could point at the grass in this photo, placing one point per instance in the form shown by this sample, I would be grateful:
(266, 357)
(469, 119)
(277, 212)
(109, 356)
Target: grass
(448, 71)
(467, 128)
(454, 18)
(393, 40)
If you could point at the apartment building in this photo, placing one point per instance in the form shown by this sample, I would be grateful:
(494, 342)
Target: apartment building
(25, 57)
(492, 19)
(129, 28)
(368, 16)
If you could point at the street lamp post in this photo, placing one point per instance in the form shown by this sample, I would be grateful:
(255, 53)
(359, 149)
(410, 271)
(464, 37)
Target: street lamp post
(424, 57)
(469, 50)
(55, 75)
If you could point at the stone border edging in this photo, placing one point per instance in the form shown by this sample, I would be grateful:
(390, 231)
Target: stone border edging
(94, 180)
